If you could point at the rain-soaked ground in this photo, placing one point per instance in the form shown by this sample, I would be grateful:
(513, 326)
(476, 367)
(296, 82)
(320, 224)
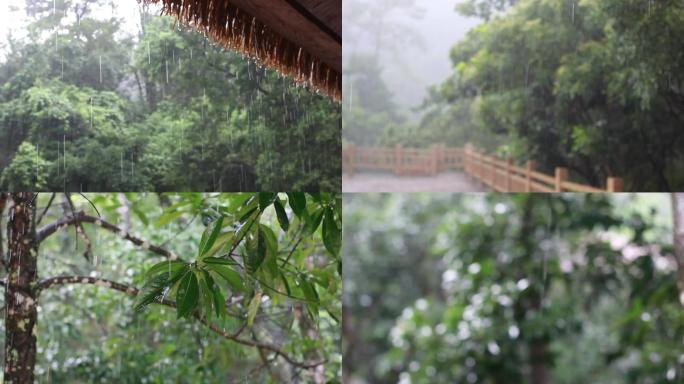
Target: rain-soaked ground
(386, 182)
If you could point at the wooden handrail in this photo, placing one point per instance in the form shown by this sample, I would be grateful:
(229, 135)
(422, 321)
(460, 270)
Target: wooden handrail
(498, 174)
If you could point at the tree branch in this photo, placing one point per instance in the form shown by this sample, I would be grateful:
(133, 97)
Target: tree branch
(47, 207)
(80, 217)
(132, 291)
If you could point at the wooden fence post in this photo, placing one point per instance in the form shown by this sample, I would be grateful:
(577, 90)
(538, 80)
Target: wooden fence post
(481, 167)
(561, 176)
(351, 159)
(398, 157)
(615, 184)
(528, 175)
(493, 163)
(466, 159)
(442, 163)
(432, 156)
(509, 165)
(475, 163)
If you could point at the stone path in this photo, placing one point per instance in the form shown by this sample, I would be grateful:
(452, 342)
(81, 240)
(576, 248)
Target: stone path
(454, 182)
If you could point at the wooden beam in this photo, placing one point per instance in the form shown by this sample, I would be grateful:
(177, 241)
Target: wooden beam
(296, 23)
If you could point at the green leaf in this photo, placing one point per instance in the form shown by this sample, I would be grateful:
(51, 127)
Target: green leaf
(332, 236)
(244, 228)
(282, 216)
(165, 266)
(154, 288)
(141, 215)
(313, 221)
(187, 296)
(267, 236)
(297, 201)
(207, 242)
(205, 289)
(253, 308)
(168, 217)
(286, 284)
(256, 251)
(308, 289)
(311, 296)
(219, 302)
(218, 261)
(266, 199)
(229, 274)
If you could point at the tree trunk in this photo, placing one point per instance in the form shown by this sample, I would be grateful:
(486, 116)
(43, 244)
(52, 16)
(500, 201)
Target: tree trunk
(678, 240)
(20, 292)
(539, 356)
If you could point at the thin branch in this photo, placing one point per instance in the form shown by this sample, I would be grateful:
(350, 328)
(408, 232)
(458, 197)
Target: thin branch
(294, 248)
(47, 207)
(80, 232)
(185, 227)
(132, 291)
(81, 217)
(3, 204)
(91, 204)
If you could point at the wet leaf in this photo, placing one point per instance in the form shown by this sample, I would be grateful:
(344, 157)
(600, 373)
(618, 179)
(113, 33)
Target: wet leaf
(297, 201)
(208, 240)
(187, 297)
(282, 215)
(253, 308)
(332, 236)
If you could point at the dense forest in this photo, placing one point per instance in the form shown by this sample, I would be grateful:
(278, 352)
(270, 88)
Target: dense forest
(171, 288)
(593, 86)
(88, 103)
(566, 288)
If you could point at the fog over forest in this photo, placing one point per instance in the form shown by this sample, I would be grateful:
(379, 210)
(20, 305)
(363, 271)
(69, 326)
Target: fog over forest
(411, 69)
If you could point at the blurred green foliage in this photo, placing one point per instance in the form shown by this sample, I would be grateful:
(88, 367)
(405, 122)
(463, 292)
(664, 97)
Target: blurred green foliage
(510, 288)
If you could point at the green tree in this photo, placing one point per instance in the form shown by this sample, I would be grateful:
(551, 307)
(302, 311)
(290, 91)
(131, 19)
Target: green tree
(183, 288)
(162, 110)
(28, 169)
(591, 86)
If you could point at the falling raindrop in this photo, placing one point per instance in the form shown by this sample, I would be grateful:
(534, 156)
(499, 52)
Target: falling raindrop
(100, 68)
(37, 155)
(91, 113)
(122, 167)
(64, 157)
(58, 163)
(149, 54)
(167, 71)
(351, 94)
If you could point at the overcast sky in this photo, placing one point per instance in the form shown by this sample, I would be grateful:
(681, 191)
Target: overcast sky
(13, 17)
(441, 27)
(421, 66)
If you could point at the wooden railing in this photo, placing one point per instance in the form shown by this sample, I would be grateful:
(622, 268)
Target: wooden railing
(497, 174)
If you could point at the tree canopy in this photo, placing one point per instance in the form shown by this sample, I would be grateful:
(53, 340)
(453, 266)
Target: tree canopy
(107, 108)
